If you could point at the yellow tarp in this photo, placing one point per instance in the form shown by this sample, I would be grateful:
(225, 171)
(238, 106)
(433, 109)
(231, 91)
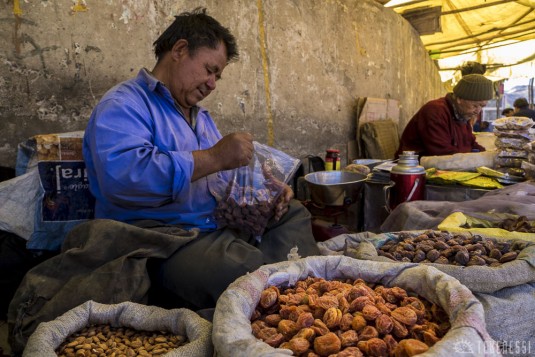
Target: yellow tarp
(455, 222)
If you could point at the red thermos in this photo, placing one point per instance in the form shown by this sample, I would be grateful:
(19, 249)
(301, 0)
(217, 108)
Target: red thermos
(408, 179)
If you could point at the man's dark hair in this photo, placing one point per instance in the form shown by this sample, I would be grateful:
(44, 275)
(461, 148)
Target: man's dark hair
(200, 30)
(521, 103)
(507, 111)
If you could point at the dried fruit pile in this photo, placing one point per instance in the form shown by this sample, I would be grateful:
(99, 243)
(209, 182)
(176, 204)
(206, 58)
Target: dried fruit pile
(104, 340)
(520, 224)
(246, 209)
(446, 248)
(321, 317)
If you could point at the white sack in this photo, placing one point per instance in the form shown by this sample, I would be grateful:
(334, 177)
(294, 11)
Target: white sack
(479, 279)
(18, 202)
(507, 292)
(232, 336)
(50, 335)
(460, 162)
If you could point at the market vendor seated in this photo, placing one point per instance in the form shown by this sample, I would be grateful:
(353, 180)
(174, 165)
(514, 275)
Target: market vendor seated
(151, 150)
(442, 126)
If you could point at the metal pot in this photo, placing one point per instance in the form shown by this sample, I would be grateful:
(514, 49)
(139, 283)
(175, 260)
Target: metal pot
(334, 188)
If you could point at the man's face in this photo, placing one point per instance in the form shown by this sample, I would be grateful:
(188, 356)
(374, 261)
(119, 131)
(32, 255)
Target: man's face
(469, 108)
(192, 77)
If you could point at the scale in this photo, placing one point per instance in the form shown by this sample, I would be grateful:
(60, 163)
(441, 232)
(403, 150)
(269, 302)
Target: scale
(332, 193)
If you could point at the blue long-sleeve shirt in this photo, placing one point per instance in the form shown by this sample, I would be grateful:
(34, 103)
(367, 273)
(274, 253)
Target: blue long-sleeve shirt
(138, 152)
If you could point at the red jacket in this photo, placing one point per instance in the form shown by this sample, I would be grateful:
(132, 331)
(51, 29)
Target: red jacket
(433, 130)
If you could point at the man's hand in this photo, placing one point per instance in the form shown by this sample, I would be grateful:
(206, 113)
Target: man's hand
(283, 201)
(275, 185)
(232, 151)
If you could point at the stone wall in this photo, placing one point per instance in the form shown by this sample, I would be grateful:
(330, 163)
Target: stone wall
(302, 64)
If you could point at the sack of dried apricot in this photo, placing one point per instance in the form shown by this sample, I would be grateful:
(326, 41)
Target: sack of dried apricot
(328, 305)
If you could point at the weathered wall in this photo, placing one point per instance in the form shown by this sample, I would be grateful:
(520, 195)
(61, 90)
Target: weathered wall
(303, 63)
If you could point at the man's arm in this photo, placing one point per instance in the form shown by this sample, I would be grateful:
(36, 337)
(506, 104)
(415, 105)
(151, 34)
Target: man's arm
(232, 151)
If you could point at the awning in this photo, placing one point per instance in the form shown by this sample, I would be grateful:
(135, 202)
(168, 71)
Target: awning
(499, 34)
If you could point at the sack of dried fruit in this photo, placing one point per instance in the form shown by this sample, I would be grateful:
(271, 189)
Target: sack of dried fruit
(131, 329)
(517, 199)
(499, 271)
(337, 304)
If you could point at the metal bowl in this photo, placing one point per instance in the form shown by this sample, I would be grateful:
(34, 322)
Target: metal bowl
(334, 188)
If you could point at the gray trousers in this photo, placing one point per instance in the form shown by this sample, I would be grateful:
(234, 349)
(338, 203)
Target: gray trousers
(200, 271)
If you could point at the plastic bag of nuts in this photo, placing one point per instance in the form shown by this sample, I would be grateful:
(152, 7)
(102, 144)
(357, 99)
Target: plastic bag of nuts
(234, 332)
(247, 196)
(125, 329)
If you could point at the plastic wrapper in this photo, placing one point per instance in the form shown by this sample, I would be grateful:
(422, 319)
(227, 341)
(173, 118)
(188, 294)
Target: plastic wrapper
(460, 161)
(247, 201)
(50, 194)
(530, 146)
(513, 123)
(359, 169)
(514, 162)
(515, 134)
(510, 143)
(449, 177)
(529, 170)
(482, 182)
(508, 152)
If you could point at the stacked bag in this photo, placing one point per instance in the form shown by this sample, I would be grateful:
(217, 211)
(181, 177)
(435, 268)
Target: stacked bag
(512, 134)
(529, 165)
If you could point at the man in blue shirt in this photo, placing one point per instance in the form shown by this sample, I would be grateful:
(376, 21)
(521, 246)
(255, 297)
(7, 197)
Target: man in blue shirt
(153, 154)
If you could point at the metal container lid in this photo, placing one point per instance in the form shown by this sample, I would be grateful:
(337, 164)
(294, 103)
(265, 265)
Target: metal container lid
(408, 164)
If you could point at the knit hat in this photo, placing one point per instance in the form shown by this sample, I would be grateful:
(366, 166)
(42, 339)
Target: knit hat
(520, 103)
(474, 87)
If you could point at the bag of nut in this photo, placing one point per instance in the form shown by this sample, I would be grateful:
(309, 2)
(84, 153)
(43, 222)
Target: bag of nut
(247, 196)
(499, 271)
(340, 306)
(125, 329)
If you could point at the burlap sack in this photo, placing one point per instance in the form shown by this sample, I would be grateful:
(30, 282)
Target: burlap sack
(50, 335)
(507, 292)
(479, 279)
(232, 335)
